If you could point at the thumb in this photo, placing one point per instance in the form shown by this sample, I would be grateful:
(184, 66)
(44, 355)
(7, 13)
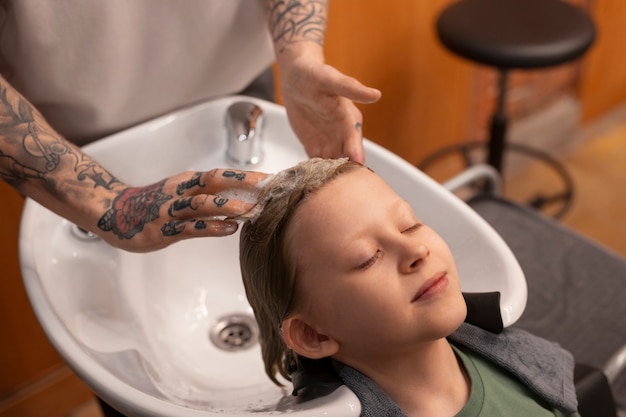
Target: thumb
(352, 89)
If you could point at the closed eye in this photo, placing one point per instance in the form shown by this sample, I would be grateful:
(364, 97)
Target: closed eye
(413, 228)
(370, 261)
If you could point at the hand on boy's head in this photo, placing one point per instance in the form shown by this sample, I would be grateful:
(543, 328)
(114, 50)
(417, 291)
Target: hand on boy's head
(183, 206)
(227, 179)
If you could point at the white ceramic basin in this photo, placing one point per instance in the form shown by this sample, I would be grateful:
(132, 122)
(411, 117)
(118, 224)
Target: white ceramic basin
(135, 327)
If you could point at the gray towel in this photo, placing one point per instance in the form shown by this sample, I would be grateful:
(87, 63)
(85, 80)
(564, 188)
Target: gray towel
(543, 366)
(374, 401)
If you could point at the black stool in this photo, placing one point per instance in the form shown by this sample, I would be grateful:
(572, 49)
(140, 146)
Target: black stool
(508, 35)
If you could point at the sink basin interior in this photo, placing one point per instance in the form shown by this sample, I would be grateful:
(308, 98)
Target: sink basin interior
(138, 328)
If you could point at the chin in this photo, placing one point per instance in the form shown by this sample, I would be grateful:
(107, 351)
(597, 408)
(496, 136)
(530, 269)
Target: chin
(452, 315)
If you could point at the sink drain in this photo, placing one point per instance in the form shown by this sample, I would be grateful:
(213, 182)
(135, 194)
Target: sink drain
(235, 332)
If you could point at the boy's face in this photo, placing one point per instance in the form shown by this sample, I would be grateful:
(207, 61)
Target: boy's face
(370, 275)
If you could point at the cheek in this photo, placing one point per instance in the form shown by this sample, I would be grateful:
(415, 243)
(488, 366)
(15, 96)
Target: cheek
(441, 248)
(365, 309)
(338, 311)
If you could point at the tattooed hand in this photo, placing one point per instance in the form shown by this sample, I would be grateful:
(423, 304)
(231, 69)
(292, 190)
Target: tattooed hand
(191, 204)
(319, 99)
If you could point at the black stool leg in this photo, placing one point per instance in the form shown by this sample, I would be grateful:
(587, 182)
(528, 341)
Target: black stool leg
(496, 147)
(497, 136)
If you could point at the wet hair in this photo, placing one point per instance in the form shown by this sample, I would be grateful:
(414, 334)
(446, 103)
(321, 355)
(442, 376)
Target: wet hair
(267, 267)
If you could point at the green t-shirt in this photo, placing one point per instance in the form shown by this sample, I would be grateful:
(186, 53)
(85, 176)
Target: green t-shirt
(495, 392)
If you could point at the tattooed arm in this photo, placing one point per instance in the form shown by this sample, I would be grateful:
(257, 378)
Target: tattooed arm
(318, 98)
(42, 165)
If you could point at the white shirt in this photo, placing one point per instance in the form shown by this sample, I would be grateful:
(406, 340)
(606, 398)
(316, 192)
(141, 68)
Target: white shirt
(93, 67)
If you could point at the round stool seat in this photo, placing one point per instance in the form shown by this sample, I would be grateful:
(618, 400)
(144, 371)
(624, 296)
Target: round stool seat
(516, 33)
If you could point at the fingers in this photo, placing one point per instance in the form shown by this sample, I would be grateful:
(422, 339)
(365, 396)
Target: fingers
(351, 88)
(206, 206)
(224, 179)
(353, 148)
(214, 181)
(332, 136)
(176, 230)
(196, 204)
(358, 92)
(204, 215)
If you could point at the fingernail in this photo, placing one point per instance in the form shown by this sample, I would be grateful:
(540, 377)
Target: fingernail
(230, 227)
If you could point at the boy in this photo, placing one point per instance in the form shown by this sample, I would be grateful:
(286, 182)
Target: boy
(337, 265)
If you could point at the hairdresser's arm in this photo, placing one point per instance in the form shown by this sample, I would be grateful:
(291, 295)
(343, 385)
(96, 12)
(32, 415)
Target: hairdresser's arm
(318, 98)
(42, 165)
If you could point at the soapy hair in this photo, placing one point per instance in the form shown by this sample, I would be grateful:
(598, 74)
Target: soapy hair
(267, 265)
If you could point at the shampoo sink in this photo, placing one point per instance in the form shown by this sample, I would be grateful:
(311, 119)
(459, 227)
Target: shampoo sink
(170, 333)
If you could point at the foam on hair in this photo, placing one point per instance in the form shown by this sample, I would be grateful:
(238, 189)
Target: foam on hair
(277, 186)
(247, 196)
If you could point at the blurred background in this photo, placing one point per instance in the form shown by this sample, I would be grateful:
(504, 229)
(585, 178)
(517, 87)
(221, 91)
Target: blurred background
(431, 99)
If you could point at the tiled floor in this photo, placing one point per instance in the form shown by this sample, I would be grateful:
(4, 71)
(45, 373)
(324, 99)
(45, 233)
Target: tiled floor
(597, 163)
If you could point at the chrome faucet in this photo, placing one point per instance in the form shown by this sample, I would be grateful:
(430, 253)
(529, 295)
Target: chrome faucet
(244, 124)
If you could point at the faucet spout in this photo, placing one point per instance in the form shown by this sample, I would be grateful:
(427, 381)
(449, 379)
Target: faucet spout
(244, 124)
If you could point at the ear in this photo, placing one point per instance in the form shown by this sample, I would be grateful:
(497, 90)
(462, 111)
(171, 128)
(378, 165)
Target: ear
(303, 339)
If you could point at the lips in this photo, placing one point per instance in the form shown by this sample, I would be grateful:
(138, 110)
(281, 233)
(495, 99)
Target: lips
(431, 287)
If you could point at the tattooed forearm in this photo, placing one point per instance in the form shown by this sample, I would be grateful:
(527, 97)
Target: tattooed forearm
(29, 149)
(87, 168)
(296, 20)
(12, 171)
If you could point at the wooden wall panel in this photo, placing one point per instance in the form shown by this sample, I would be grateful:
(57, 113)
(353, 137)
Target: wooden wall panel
(392, 46)
(27, 351)
(32, 375)
(603, 79)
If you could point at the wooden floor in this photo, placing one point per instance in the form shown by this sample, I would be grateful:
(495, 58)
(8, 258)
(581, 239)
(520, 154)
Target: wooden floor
(90, 409)
(596, 161)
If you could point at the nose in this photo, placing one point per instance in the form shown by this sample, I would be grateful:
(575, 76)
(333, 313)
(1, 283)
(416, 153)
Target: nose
(415, 253)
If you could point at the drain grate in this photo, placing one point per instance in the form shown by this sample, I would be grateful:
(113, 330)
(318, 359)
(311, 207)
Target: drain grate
(235, 332)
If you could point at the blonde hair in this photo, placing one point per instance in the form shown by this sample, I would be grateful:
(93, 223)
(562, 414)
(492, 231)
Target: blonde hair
(267, 267)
